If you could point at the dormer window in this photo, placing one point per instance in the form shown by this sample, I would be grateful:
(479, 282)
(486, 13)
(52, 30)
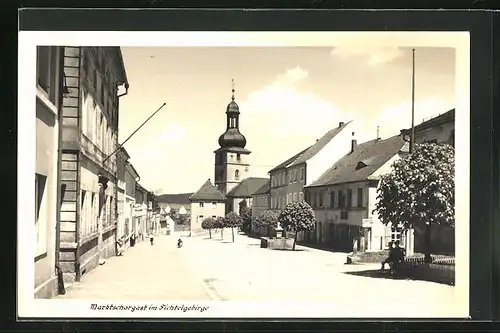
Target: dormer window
(360, 165)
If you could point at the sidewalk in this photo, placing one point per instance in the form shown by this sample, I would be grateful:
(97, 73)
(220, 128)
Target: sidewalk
(148, 272)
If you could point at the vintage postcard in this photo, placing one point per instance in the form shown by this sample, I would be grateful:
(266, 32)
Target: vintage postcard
(243, 174)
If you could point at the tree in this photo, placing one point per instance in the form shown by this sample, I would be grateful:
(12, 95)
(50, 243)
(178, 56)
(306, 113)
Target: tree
(246, 216)
(267, 219)
(208, 224)
(296, 217)
(219, 224)
(232, 220)
(420, 190)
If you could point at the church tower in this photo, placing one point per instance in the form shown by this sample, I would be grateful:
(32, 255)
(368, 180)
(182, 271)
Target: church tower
(231, 159)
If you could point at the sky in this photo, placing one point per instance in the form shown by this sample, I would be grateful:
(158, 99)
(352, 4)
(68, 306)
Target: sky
(288, 98)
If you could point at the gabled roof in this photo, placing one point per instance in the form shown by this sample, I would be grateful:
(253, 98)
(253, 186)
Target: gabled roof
(207, 192)
(448, 116)
(247, 187)
(359, 165)
(311, 151)
(179, 198)
(288, 161)
(264, 189)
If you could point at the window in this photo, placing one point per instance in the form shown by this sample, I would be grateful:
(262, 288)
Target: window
(301, 196)
(308, 197)
(200, 217)
(214, 205)
(349, 198)
(314, 199)
(343, 215)
(395, 233)
(93, 214)
(295, 175)
(360, 197)
(201, 204)
(295, 197)
(237, 174)
(302, 174)
(43, 67)
(341, 199)
(320, 199)
(238, 157)
(40, 221)
(83, 213)
(332, 199)
(214, 217)
(283, 181)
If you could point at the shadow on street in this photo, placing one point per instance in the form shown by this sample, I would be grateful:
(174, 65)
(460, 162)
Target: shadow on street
(378, 274)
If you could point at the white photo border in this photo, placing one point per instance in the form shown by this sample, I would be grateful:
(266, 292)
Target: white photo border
(30, 307)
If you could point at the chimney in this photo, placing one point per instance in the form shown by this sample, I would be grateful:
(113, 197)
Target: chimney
(354, 142)
(341, 124)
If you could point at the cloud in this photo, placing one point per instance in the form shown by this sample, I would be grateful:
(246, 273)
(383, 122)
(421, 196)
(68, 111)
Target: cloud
(173, 133)
(282, 108)
(397, 117)
(291, 77)
(374, 54)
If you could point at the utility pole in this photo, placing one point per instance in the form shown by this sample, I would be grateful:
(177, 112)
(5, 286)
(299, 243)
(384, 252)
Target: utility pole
(412, 138)
(138, 128)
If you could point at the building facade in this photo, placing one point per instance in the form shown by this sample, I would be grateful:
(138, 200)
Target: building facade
(240, 197)
(121, 234)
(231, 159)
(260, 203)
(208, 201)
(49, 92)
(129, 224)
(140, 217)
(344, 197)
(93, 77)
(289, 178)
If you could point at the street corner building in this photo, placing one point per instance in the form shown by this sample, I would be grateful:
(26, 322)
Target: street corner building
(344, 197)
(208, 201)
(94, 81)
(289, 178)
(49, 92)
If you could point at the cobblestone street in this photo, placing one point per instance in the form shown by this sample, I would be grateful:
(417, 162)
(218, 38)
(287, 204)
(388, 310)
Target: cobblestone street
(144, 272)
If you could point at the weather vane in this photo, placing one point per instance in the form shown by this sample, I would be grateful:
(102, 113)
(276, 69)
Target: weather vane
(232, 81)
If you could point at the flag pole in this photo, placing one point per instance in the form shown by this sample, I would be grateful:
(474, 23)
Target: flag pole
(144, 123)
(412, 139)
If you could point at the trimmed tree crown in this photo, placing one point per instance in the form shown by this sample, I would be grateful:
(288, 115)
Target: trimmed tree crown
(232, 220)
(208, 223)
(268, 218)
(297, 216)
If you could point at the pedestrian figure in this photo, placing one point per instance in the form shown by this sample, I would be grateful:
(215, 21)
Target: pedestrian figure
(151, 239)
(179, 243)
(390, 258)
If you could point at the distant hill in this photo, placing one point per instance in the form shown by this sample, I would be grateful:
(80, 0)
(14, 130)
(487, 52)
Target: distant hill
(179, 198)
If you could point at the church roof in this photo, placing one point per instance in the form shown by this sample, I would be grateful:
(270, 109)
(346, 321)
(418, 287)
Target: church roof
(247, 187)
(264, 189)
(207, 192)
(360, 164)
